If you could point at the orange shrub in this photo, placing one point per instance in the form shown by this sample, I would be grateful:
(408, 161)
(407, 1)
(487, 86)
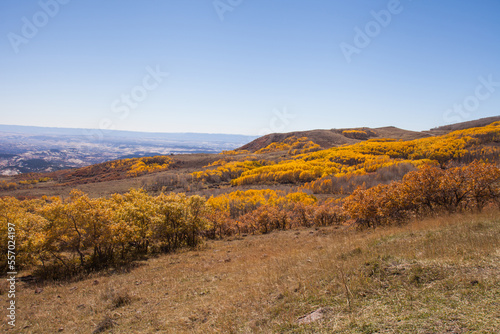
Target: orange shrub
(426, 191)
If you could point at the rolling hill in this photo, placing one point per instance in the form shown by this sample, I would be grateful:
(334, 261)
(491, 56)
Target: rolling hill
(333, 137)
(338, 137)
(464, 125)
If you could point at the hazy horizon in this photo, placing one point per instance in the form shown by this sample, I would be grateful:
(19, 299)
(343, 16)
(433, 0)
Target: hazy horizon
(117, 130)
(194, 133)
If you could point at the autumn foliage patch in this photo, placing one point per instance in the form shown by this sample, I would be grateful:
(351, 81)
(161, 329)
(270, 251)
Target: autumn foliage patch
(428, 190)
(82, 234)
(369, 184)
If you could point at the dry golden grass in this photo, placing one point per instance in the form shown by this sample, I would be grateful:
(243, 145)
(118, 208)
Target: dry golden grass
(433, 276)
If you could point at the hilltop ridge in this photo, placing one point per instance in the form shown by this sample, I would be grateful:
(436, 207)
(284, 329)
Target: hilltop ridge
(334, 137)
(337, 137)
(464, 125)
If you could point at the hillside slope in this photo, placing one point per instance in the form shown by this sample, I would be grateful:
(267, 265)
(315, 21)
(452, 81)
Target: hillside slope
(338, 137)
(463, 125)
(432, 276)
(289, 239)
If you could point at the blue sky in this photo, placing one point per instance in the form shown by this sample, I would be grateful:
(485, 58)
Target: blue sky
(248, 66)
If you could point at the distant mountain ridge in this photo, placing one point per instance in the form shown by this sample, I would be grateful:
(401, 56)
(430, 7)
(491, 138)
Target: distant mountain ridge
(25, 149)
(92, 133)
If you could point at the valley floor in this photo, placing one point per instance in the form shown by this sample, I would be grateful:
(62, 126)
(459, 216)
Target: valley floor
(439, 275)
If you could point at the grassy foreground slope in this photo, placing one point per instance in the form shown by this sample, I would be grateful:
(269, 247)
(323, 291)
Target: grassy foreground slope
(436, 275)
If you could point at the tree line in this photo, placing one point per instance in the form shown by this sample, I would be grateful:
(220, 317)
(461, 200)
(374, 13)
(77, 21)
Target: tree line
(63, 237)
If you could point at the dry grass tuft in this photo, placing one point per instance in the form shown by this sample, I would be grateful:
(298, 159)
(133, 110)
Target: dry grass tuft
(104, 325)
(116, 298)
